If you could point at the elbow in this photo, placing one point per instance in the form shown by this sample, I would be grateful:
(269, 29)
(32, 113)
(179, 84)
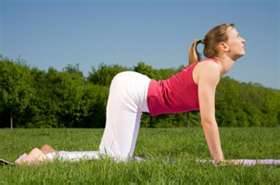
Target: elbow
(208, 122)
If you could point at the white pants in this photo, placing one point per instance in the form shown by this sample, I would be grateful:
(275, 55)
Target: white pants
(73, 155)
(126, 102)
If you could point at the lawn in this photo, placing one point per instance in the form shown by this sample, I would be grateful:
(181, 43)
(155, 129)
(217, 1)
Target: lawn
(170, 157)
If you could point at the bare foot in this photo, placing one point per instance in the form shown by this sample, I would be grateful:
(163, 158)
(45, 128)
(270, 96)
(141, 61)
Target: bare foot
(47, 149)
(36, 156)
(20, 159)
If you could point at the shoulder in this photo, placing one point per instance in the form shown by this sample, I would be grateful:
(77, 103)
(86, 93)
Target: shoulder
(209, 64)
(209, 71)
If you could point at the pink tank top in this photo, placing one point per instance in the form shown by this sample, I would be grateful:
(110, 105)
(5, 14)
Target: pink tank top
(179, 93)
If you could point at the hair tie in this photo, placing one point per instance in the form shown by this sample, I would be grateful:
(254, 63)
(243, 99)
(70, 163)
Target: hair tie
(200, 41)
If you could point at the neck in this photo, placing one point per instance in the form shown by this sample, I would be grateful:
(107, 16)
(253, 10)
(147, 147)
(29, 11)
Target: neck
(225, 62)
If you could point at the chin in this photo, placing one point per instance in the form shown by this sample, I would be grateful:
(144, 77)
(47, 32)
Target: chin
(237, 56)
(243, 53)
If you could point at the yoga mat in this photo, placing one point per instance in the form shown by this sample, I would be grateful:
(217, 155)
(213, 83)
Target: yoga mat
(4, 162)
(246, 162)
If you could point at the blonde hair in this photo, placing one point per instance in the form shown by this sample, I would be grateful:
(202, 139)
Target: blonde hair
(212, 38)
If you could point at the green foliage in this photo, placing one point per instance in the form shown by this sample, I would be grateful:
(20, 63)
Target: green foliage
(16, 91)
(158, 74)
(30, 97)
(104, 74)
(73, 69)
(242, 104)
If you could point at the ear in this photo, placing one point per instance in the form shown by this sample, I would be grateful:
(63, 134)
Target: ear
(223, 46)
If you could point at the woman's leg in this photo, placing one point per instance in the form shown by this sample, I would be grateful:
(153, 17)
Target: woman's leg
(47, 153)
(36, 155)
(52, 154)
(126, 102)
(20, 159)
(77, 155)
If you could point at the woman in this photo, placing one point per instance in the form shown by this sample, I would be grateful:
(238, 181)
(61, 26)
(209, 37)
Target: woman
(191, 89)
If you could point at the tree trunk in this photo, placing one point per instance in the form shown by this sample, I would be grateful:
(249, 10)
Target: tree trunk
(11, 121)
(188, 119)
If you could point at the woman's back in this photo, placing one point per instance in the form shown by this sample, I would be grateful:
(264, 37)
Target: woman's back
(179, 93)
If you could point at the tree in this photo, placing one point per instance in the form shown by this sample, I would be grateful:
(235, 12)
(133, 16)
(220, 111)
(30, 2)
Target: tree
(15, 88)
(146, 69)
(70, 68)
(37, 98)
(104, 74)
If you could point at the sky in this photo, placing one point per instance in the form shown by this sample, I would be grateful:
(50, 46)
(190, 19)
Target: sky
(55, 33)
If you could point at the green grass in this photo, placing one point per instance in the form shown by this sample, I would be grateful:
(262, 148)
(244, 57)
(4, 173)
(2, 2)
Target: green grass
(170, 155)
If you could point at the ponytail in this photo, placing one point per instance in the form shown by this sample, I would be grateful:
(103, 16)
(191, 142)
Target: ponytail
(194, 56)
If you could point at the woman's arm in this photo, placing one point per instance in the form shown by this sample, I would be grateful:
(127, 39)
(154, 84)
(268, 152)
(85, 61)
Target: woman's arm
(208, 78)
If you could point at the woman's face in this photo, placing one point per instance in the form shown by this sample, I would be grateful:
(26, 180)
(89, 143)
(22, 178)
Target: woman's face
(235, 44)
